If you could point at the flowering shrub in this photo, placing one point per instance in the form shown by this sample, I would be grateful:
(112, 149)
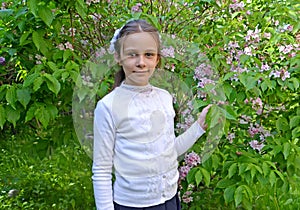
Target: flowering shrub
(241, 56)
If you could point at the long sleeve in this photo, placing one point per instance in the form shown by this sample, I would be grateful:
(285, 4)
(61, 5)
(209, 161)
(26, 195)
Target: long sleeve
(104, 140)
(186, 140)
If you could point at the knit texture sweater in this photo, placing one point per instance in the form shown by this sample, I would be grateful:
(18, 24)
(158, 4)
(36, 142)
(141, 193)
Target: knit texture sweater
(134, 139)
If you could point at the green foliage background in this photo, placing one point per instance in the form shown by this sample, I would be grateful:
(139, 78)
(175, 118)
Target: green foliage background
(40, 154)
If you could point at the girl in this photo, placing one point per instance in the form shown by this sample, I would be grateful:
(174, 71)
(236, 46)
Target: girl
(134, 130)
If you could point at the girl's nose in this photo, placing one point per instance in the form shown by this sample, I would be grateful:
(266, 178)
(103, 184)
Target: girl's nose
(141, 61)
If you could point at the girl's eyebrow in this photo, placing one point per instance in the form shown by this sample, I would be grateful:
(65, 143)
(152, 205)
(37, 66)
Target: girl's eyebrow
(135, 50)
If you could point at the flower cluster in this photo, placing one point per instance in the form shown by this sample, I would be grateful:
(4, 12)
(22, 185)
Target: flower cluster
(190, 160)
(203, 74)
(253, 36)
(289, 49)
(89, 2)
(168, 52)
(282, 74)
(3, 6)
(256, 129)
(230, 137)
(39, 59)
(254, 144)
(136, 8)
(65, 46)
(2, 61)
(256, 104)
(236, 6)
(187, 197)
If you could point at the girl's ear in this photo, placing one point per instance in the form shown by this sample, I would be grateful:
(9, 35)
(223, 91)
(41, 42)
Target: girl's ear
(117, 58)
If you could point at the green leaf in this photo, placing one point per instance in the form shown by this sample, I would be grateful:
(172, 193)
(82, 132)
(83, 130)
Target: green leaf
(295, 82)
(296, 132)
(214, 115)
(66, 55)
(52, 66)
(229, 193)
(191, 175)
(198, 177)
(232, 170)
(52, 110)
(282, 124)
(249, 192)
(24, 38)
(266, 169)
(294, 121)
(45, 14)
(81, 8)
(33, 6)
(248, 81)
(30, 79)
(37, 39)
(52, 83)
(13, 115)
(30, 113)
(286, 150)
(23, 96)
(206, 176)
(272, 178)
(224, 183)
(238, 195)
(37, 83)
(2, 116)
(43, 116)
(11, 96)
(5, 13)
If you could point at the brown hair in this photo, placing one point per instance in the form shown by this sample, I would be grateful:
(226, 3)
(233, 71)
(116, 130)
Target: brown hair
(131, 27)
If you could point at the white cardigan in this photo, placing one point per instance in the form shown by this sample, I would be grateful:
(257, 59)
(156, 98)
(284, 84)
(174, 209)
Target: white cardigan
(134, 135)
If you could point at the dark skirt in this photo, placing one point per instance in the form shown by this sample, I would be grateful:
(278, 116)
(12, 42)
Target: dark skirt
(172, 204)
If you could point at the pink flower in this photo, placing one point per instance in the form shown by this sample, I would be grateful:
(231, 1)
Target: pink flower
(136, 8)
(192, 159)
(168, 52)
(72, 31)
(254, 144)
(285, 75)
(2, 61)
(68, 45)
(187, 198)
(230, 137)
(265, 67)
(61, 46)
(248, 51)
(183, 171)
(290, 27)
(267, 35)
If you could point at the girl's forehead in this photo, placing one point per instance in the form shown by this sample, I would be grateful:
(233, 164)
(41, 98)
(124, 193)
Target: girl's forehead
(140, 41)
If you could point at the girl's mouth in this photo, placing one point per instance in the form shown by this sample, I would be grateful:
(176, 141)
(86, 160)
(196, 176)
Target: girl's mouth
(145, 71)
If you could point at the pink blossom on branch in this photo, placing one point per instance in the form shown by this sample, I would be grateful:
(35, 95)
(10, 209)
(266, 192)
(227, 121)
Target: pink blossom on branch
(254, 144)
(192, 159)
(183, 171)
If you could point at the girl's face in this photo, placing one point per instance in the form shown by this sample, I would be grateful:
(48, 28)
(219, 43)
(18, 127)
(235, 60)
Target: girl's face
(138, 57)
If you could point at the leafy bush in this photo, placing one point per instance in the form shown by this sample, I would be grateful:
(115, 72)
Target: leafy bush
(61, 181)
(242, 56)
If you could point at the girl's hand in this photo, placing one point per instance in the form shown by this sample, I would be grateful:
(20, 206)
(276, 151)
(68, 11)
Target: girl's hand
(202, 116)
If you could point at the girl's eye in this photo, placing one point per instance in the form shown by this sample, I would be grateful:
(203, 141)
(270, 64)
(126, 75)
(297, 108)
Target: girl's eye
(132, 54)
(150, 54)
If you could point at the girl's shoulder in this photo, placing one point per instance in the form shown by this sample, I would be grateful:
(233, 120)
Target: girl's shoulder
(162, 91)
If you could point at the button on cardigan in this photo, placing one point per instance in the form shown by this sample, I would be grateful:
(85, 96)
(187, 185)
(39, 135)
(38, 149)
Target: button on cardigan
(134, 139)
